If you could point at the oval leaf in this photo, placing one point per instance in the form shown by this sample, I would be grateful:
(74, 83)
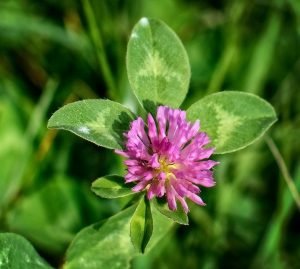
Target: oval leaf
(157, 65)
(111, 187)
(103, 245)
(17, 252)
(102, 122)
(107, 244)
(233, 120)
(141, 225)
(178, 215)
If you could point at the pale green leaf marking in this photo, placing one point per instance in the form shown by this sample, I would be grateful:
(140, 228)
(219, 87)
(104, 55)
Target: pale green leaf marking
(102, 122)
(225, 120)
(233, 120)
(100, 125)
(157, 64)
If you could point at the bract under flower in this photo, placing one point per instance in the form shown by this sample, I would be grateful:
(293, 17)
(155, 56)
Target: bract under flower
(168, 157)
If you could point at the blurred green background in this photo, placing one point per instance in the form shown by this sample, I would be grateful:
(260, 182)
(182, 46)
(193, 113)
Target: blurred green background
(55, 52)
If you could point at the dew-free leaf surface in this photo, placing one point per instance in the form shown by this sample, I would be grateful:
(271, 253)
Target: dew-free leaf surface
(103, 245)
(107, 244)
(233, 120)
(178, 215)
(141, 225)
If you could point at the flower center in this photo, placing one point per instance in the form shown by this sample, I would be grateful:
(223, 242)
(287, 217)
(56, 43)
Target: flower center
(165, 166)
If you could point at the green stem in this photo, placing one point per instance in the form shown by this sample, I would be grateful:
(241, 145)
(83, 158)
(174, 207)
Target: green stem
(98, 43)
(283, 168)
(33, 128)
(269, 250)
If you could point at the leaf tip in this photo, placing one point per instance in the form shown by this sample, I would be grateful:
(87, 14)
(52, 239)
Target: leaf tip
(144, 21)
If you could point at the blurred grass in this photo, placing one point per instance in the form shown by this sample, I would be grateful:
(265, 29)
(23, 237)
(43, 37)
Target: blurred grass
(52, 53)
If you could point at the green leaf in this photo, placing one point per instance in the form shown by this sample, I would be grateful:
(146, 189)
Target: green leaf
(103, 245)
(233, 120)
(107, 244)
(161, 226)
(41, 217)
(102, 122)
(17, 252)
(178, 215)
(141, 225)
(111, 187)
(157, 64)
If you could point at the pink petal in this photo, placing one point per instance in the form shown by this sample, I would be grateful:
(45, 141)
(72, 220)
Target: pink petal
(184, 204)
(171, 197)
(153, 162)
(177, 144)
(152, 131)
(195, 198)
(140, 186)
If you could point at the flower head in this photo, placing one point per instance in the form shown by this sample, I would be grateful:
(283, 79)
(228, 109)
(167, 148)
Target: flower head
(168, 157)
